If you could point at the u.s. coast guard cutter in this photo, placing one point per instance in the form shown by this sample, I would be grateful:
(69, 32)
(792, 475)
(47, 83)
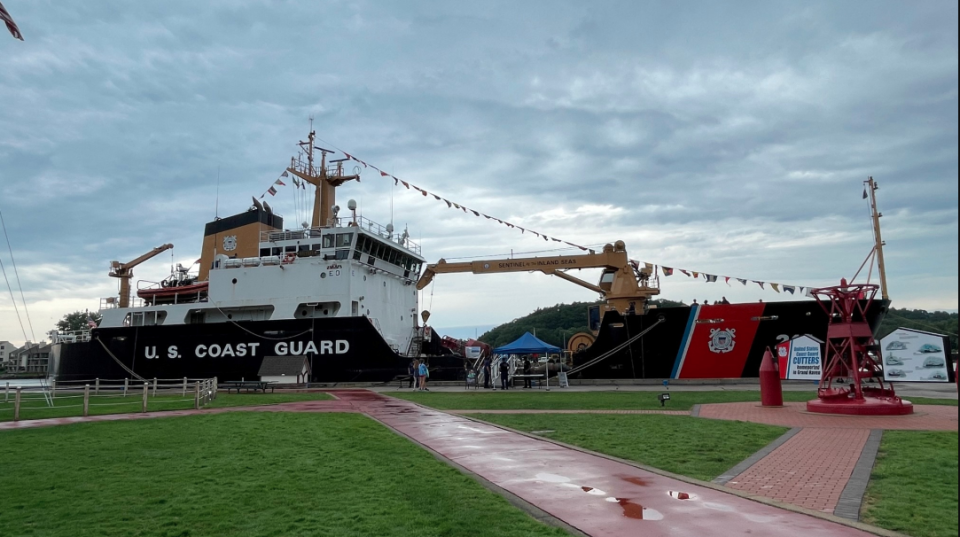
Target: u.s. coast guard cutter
(340, 293)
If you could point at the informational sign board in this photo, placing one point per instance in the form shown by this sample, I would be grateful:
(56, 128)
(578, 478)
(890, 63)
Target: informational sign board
(800, 359)
(915, 356)
(562, 377)
(472, 352)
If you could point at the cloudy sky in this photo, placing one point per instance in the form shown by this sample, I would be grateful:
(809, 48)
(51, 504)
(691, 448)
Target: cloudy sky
(729, 138)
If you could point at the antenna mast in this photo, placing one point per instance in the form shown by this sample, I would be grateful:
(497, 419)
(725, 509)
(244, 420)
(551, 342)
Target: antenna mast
(871, 188)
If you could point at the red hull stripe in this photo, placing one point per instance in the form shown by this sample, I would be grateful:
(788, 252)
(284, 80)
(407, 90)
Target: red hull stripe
(720, 343)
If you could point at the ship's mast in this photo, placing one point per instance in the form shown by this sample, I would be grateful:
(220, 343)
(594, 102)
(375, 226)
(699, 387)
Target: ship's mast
(871, 188)
(326, 183)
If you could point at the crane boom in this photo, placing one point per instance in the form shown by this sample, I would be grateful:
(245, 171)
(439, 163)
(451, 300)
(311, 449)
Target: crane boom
(124, 271)
(622, 287)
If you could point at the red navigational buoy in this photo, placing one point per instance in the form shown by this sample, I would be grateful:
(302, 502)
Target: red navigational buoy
(771, 392)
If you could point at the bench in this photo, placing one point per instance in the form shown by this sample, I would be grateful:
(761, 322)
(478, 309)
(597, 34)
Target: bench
(539, 378)
(255, 385)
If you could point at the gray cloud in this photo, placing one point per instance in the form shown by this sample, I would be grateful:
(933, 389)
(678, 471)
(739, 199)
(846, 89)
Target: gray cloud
(725, 137)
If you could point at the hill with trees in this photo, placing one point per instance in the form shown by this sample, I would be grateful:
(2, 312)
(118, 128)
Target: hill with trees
(555, 324)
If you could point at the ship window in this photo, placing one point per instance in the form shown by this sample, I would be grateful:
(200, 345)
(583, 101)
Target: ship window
(363, 244)
(290, 249)
(276, 250)
(344, 240)
(198, 317)
(264, 252)
(315, 247)
(357, 254)
(343, 254)
(607, 277)
(328, 241)
(393, 256)
(303, 247)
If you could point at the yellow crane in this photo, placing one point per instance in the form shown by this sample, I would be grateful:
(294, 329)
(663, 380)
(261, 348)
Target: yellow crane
(623, 287)
(124, 271)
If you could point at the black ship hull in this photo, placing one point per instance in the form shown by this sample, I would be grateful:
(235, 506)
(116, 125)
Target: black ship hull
(683, 345)
(337, 350)
(706, 341)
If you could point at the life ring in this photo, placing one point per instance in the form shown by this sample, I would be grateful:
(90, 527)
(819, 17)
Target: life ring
(288, 258)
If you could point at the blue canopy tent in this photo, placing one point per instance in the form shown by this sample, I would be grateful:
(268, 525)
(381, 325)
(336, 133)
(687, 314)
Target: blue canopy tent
(527, 344)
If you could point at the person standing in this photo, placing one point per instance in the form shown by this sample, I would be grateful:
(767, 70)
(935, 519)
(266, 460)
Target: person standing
(424, 373)
(486, 373)
(412, 371)
(504, 374)
(527, 382)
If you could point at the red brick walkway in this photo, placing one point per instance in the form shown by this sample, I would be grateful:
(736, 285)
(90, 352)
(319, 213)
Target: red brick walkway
(924, 418)
(810, 470)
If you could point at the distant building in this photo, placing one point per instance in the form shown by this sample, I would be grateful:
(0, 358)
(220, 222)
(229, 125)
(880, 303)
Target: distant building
(6, 349)
(31, 358)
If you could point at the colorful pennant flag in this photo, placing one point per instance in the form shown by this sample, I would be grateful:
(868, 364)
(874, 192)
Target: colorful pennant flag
(284, 174)
(789, 288)
(741, 280)
(667, 271)
(12, 26)
(711, 278)
(775, 286)
(758, 283)
(684, 272)
(272, 191)
(279, 182)
(726, 280)
(696, 274)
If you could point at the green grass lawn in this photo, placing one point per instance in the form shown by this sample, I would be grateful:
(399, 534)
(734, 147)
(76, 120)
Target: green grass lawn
(613, 400)
(289, 474)
(913, 488)
(33, 408)
(689, 446)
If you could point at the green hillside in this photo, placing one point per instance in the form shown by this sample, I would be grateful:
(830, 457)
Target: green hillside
(554, 324)
(940, 322)
(557, 323)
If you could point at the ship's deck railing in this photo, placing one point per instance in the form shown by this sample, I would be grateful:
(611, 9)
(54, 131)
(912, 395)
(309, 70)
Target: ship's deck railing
(70, 336)
(43, 398)
(366, 224)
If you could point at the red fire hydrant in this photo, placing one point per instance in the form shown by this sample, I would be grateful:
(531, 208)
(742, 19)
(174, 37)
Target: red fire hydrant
(771, 393)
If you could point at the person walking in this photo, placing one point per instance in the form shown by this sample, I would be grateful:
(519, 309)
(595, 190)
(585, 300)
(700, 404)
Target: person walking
(504, 373)
(416, 374)
(412, 372)
(486, 373)
(527, 382)
(424, 373)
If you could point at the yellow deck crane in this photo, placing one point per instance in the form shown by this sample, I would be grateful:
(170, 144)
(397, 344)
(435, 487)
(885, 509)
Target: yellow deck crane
(623, 287)
(124, 271)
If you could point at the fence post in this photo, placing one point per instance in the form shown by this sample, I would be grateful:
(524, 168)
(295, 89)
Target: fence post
(16, 405)
(144, 406)
(86, 400)
(196, 396)
(96, 389)
(184, 386)
(126, 384)
(215, 388)
(53, 389)
(154, 386)
(6, 392)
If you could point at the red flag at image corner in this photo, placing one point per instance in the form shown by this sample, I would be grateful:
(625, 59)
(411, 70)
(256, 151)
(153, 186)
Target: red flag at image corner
(8, 20)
